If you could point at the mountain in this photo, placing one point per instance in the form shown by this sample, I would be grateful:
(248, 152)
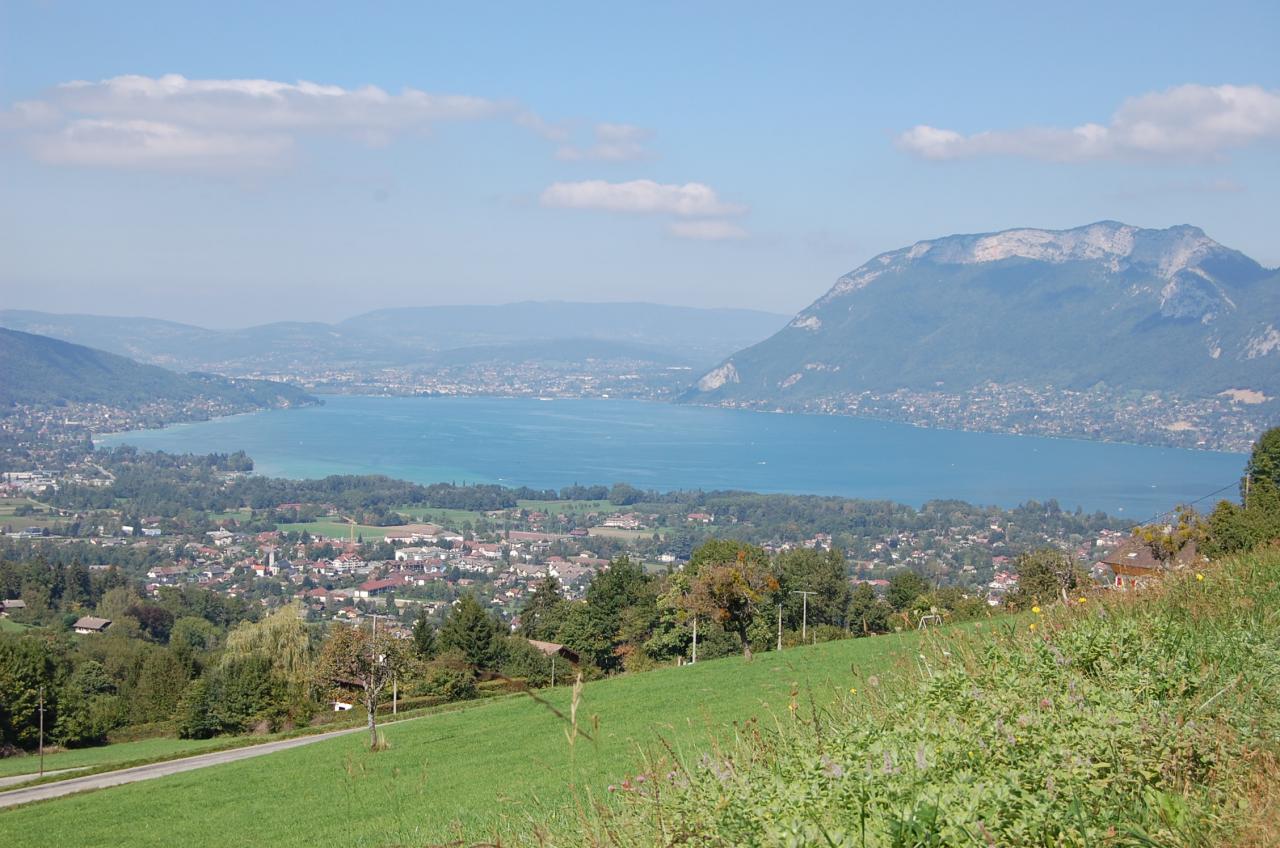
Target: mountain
(1104, 305)
(39, 370)
(416, 335)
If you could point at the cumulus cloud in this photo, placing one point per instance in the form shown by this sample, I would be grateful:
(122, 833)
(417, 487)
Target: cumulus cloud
(171, 120)
(712, 229)
(613, 143)
(1188, 121)
(644, 196)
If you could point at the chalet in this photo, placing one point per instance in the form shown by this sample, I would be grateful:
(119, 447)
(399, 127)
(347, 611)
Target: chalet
(167, 575)
(14, 605)
(221, 538)
(700, 518)
(554, 649)
(1134, 565)
(91, 624)
(628, 521)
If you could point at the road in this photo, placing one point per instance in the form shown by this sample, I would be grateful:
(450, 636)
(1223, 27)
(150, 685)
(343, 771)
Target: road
(154, 770)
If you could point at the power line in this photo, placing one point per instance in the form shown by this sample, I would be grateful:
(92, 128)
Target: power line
(1214, 493)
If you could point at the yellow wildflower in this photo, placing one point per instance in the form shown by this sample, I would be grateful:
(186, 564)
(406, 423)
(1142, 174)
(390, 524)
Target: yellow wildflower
(853, 691)
(1036, 610)
(1031, 626)
(1199, 576)
(1083, 599)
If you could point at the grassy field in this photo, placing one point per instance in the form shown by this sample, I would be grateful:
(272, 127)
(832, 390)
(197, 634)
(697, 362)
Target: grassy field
(570, 507)
(44, 520)
(7, 626)
(450, 518)
(453, 775)
(336, 529)
(622, 533)
(107, 755)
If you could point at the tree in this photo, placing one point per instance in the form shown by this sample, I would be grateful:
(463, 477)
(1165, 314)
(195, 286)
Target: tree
(356, 656)
(473, 632)
(731, 593)
(1167, 540)
(866, 612)
(1044, 574)
(544, 612)
(1264, 463)
(904, 588)
(282, 638)
(424, 636)
(724, 550)
(821, 572)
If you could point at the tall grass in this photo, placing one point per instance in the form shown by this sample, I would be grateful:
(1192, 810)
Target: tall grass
(1145, 720)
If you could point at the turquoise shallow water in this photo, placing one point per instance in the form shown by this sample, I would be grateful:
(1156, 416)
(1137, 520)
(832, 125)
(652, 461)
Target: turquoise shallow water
(548, 444)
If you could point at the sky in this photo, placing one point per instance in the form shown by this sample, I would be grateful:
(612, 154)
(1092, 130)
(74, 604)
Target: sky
(228, 164)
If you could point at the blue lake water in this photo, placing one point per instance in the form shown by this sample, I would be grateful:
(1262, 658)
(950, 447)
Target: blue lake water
(549, 444)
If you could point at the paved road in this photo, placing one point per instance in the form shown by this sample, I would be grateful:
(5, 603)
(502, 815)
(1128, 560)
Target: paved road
(147, 772)
(23, 778)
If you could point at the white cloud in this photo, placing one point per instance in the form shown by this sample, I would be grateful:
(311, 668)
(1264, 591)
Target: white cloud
(613, 143)
(712, 229)
(1188, 121)
(173, 121)
(137, 143)
(644, 196)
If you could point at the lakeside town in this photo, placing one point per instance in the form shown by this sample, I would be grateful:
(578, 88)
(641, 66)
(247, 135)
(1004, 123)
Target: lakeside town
(424, 559)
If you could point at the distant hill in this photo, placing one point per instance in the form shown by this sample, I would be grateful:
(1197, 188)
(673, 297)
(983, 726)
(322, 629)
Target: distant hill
(416, 335)
(1102, 305)
(40, 370)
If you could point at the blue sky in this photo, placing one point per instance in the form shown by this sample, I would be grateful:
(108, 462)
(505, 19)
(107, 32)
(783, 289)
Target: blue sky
(707, 154)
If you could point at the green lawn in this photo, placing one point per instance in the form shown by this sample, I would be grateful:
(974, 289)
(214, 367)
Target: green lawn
(449, 518)
(8, 626)
(451, 775)
(336, 529)
(570, 507)
(123, 752)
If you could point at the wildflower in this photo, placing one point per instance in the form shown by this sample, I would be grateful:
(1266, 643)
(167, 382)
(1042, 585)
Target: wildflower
(1083, 599)
(1036, 609)
(1199, 576)
(1031, 626)
(853, 691)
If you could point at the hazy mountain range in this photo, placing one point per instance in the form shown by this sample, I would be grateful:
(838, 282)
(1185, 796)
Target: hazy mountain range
(421, 336)
(40, 370)
(1106, 304)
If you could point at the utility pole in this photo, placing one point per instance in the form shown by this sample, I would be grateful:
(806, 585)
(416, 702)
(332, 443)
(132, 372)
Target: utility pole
(695, 641)
(41, 731)
(779, 627)
(804, 619)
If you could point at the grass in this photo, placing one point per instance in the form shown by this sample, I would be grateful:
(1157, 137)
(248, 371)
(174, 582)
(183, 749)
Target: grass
(570, 507)
(336, 529)
(1139, 720)
(108, 755)
(623, 533)
(9, 626)
(448, 518)
(453, 775)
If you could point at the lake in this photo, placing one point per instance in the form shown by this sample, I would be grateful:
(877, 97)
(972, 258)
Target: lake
(553, 443)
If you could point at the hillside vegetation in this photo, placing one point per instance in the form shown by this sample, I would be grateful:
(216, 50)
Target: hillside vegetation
(40, 370)
(1148, 719)
(494, 769)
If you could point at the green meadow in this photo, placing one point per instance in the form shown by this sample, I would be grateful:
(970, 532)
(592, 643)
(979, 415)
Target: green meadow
(108, 755)
(496, 767)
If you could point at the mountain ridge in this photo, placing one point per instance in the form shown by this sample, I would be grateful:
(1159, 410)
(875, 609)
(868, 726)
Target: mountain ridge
(411, 335)
(42, 370)
(1107, 308)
